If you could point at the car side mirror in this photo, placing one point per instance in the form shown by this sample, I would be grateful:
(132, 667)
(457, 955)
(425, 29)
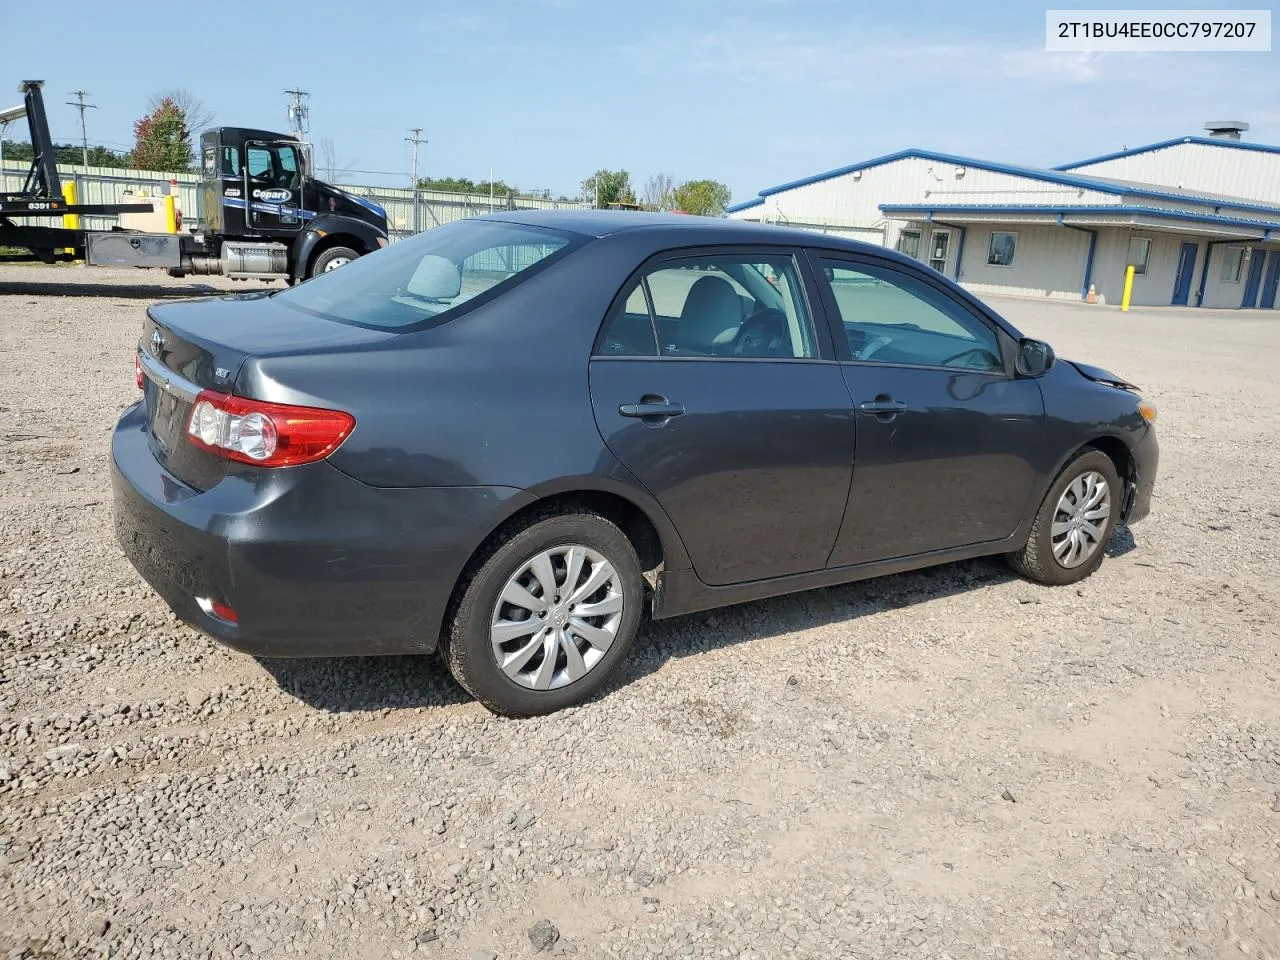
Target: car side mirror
(1035, 357)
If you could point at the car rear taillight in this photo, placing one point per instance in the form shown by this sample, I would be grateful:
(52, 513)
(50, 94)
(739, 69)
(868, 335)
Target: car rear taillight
(137, 371)
(265, 434)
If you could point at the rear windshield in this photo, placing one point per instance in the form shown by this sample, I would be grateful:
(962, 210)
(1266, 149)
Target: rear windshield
(416, 282)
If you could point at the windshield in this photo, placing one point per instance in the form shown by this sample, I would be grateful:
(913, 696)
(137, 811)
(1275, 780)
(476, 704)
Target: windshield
(417, 281)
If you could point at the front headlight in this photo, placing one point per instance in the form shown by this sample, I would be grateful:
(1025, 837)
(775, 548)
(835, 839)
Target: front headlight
(1148, 411)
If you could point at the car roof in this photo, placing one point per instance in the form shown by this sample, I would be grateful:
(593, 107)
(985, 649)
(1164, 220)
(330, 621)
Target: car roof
(603, 223)
(669, 230)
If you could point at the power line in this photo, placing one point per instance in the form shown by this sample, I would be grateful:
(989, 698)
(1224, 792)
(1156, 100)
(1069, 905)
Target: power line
(84, 136)
(299, 112)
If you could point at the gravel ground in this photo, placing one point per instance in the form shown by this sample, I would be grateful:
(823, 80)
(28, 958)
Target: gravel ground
(952, 763)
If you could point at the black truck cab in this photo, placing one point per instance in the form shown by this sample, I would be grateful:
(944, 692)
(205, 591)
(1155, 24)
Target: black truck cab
(256, 186)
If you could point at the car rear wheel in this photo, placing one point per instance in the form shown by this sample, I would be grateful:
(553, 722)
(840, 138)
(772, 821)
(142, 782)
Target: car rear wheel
(332, 259)
(544, 619)
(1078, 516)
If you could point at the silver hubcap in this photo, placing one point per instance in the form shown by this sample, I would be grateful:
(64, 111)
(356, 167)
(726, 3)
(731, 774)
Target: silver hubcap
(1080, 519)
(336, 262)
(557, 617)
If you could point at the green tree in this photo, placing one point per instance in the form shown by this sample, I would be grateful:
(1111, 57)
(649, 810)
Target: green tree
(70, 154)
(161, 140)
(197, 116)
(702, 198)
(611, 186)
(466, 185)
(99, 157)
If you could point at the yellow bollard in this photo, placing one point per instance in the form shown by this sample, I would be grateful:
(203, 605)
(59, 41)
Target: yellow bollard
(70, 220)
(1128, 289)
(170, 215)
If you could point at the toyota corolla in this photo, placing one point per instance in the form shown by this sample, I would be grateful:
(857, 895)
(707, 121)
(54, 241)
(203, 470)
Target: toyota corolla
(509, 439)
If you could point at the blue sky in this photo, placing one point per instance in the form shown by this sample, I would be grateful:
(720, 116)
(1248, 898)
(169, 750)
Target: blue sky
(750, 92)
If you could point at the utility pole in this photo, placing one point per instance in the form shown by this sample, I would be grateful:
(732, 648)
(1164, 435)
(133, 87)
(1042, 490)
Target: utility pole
(416, 140)
(84, 136)
(299, 113)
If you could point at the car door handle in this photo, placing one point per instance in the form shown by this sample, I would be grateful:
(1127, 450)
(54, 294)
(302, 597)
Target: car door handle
(651, 408)
(881, 406)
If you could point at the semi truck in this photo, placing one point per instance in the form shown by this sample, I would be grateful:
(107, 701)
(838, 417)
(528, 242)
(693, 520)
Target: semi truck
(264, 216)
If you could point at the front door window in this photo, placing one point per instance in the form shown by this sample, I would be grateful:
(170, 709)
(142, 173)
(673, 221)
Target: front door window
(891, 317)
(273, 185)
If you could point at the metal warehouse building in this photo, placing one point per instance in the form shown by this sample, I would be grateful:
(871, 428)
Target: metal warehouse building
(1198, 217)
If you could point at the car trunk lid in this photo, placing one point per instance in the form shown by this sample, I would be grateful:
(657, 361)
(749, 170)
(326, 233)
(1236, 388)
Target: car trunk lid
(199, 345)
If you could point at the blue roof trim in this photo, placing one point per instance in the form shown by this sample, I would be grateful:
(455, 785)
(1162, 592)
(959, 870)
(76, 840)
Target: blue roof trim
(1079, 181)
(1070, 180)
(745, 205)
(888, 209)
(1165, 144)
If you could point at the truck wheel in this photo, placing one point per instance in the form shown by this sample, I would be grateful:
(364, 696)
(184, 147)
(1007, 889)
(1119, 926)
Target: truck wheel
(332, 259)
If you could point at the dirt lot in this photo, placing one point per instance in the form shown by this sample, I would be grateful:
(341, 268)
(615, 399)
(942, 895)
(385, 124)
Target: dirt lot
(952, 763)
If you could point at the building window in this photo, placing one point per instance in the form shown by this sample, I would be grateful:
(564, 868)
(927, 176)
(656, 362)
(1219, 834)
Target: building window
(909, 243)
(941, 245)
(1000, 249)
(1232, 264)
(1139, 254)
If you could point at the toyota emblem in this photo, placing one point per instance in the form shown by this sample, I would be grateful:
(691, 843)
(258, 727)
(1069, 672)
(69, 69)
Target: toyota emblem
(157, 342)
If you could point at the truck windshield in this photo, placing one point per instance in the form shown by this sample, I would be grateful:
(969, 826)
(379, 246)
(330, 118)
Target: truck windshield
(423, 280)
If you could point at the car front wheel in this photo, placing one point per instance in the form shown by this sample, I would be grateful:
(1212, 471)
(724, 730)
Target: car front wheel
(546, 615)
(1078, 516)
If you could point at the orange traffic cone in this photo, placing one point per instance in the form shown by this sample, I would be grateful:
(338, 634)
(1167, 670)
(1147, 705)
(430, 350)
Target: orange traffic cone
(1093, 295)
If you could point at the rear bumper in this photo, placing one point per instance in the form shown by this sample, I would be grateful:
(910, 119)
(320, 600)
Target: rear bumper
(1146, 463)
(313, 562)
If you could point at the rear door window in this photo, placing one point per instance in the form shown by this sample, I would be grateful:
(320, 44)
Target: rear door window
(748, 306)
(629, 332)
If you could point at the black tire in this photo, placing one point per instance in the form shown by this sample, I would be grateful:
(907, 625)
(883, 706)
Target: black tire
(1036, 561)
(465, 644)
(326, 257)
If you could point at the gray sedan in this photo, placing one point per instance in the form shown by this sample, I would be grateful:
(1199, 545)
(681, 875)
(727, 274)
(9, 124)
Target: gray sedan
(511, 438)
